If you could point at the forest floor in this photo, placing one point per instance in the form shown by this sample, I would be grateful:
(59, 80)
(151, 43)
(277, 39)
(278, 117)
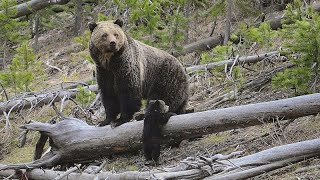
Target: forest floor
(57, 48)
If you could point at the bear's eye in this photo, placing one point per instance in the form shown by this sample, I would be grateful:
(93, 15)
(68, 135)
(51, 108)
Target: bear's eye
(104, 35)
(116, 35)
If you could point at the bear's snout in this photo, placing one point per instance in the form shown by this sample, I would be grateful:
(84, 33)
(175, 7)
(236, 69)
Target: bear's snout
(112, 44)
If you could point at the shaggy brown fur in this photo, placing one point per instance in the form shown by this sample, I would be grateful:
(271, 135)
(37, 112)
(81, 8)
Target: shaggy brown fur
(128, 70)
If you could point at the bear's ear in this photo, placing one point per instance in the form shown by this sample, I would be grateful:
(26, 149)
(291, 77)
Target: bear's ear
(119, 22)
(92, 25)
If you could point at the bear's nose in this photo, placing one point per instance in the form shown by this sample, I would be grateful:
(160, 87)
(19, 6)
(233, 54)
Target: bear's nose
(112, 43)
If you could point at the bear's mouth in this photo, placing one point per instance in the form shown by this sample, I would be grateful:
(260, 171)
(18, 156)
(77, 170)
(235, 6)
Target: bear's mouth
(111, 49)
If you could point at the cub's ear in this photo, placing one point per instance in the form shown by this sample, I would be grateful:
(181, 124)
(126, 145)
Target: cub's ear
(119, 22)
(92, 25)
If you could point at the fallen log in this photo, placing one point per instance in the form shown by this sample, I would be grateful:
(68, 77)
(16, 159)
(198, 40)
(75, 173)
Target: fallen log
(268, 160)
(217, 166)
(40, 100)
(230, 62)
(201, 45)
(33, 6)
(72, 140)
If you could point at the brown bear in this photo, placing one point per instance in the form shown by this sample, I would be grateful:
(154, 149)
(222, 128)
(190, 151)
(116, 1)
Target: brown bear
(129, 71)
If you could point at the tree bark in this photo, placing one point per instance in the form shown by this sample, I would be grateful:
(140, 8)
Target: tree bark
(35, 5)
(78, 18)
(40, 100)
(72, 140)
(241, 60)
(228, 22)
(201, 45)
(270, 159)
(35, 31)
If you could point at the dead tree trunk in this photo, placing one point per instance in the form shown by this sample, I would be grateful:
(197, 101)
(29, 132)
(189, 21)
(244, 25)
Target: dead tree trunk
(78, 18)
(228, 22)
(72, 140)
(201, 45)
(230, 62)
(219, 166)
(40, 100)
(35, 5)
(268, 160)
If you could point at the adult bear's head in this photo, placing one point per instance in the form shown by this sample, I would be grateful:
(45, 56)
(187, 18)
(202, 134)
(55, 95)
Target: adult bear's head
(107, 36)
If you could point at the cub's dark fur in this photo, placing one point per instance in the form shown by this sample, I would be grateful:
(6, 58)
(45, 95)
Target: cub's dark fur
(128, 70)
(156, 116)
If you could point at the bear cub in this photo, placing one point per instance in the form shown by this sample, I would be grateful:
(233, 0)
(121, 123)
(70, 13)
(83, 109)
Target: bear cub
(156, 116)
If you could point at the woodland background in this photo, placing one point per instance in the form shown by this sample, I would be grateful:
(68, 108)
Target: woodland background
(44, 50)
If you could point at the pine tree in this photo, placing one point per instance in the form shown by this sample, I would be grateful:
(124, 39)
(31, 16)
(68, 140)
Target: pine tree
(303, 39)
(21, 72)
(9, 27)
(84, 97)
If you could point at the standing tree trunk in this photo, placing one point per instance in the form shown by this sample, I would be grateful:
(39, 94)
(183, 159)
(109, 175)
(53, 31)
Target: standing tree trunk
(35, 29)
(4, 53)
(78, 18)
(187, 10)
(228, 23)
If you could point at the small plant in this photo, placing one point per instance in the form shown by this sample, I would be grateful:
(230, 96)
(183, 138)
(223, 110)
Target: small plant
(158, 23)
(21, 73)
(294, 11)
(9, 26)
(84, 96)
(177, 23)
(219, 53)
(302, 39)
(218, 8)
(84, 40)
(237, 78)
(263, 35)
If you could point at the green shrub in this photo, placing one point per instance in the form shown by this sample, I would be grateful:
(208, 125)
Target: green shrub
(302, 38)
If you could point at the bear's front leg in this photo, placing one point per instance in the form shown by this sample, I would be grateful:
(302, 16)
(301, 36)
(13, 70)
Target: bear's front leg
(109, 98)
(128, 88)
(128, 106)
(112, 109)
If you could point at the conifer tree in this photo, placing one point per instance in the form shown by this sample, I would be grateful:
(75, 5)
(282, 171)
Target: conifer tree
(21, 72)
(303, 39)
(9, 27)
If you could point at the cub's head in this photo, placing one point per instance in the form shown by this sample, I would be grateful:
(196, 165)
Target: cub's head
(107, 36)
(157, 106)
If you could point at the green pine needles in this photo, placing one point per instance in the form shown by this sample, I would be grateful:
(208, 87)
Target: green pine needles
(159, 23)
(303, 39)
(8, 25)
(84, 96)
(22, 71)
